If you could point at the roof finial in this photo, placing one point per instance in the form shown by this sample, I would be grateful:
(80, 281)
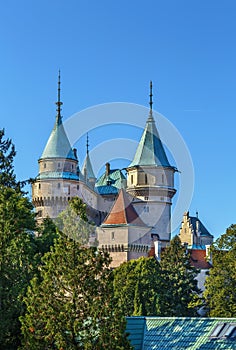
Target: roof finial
(87, 144)
(150, 103)
(59, 103)
(197, 214)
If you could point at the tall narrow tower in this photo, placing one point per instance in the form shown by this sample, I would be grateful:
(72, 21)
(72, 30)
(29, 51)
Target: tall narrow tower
(57, 180)
(150, 180)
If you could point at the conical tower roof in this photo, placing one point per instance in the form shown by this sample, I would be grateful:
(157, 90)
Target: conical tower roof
(87, 169)
(58, 145)
(150, 150)
(123, 212)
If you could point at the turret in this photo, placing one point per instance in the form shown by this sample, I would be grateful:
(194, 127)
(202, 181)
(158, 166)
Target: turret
(150, 179)
(57, 180)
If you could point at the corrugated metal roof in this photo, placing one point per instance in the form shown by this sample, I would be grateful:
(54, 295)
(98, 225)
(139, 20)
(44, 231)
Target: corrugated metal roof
(178, 333)
(150, 150)
(58, 145)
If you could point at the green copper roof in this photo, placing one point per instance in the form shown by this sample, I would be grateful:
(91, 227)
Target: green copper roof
(150, 150)
(87, 169)
(149, 333)
(110, 183)
(58, 145)
(57, 175)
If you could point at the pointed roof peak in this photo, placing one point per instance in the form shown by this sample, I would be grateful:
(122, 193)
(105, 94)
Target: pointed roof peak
(59, 103)
(150, 117)
(58, 145)
(123, 212)
(87, 144)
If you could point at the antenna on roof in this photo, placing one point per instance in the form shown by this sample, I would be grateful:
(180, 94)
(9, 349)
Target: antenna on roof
(59, 103)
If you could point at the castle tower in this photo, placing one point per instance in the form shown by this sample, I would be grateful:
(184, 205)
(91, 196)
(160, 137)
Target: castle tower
(87, 169)
(150, 180)
(57, 180)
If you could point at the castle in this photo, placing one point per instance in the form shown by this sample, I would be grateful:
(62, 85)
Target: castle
(132, 213)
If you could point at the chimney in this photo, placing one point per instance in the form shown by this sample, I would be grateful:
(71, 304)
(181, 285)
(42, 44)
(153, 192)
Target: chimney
(107, 169)
(208, 253)
(157, 246)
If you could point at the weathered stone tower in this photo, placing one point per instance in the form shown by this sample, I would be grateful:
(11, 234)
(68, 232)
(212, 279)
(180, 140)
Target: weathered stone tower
(150, 180)
(58, 179)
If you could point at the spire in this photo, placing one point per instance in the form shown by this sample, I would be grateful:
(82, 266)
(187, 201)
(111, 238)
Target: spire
(150, 150)
(59, 103)
(87, 144)
(87, 169)
(58, 145)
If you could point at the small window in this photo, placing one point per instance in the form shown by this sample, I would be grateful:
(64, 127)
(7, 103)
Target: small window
(72, 166)
(58, 185)
(39, 186)
(39, 213)
(77, 187)
(59, 165)
(217, 330)
(146, 198)
(132, 179)
(146, 181)
(162, 178)
(113, 236)
(45, 165)
(68, 189)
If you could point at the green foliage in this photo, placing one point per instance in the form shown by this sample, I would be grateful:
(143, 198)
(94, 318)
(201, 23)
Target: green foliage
(44, 238)
(7, 154)
(220, 292)
(73, 221)
(137, 287)
(16, 261)
(179, 285)
(72, 306)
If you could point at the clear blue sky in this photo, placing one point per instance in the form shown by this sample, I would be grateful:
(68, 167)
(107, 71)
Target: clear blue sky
(108, 51)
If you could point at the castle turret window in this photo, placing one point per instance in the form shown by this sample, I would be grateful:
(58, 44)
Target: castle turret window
(39, 186)
(146, 181)
(58, 185)
(132, 179)
(45, 165)
(113, 235)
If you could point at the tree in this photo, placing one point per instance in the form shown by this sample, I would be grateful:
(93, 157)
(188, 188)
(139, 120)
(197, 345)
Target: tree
(16, 261)
(44, 238)
(7, 154)
(71, 305)
(220, 292)
(137, 287)
(73, 221)
(179, 284)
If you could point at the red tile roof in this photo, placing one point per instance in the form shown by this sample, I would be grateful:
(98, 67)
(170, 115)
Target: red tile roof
(198, 259)
(123, 212)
